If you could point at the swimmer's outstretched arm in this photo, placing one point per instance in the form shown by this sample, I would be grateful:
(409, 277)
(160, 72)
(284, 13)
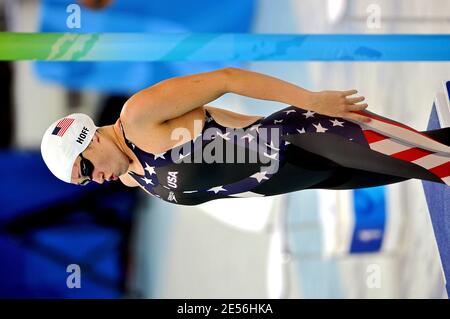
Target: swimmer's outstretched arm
(174, 97)
(264, 87)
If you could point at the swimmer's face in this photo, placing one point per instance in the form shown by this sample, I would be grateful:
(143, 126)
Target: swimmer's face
(106, 159)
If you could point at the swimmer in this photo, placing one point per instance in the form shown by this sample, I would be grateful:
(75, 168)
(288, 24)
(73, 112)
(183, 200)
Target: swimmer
(172, 144)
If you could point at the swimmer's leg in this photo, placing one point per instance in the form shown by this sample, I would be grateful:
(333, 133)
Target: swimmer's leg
(305, 170)
(353, 155)
(337, 177)
(350, 178)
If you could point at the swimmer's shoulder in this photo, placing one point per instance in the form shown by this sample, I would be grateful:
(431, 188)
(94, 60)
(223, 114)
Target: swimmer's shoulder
(155, 137)
(140, 130)
(134, 122)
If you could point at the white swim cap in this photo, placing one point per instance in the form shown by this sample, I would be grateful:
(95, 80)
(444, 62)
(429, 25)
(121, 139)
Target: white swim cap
(64, 140)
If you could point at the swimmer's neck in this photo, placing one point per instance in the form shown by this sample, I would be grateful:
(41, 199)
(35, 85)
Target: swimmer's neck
(114, 133)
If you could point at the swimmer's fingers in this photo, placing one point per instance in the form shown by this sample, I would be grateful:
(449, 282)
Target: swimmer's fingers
(349, 92)
(354, 100)
(357, 116)
(356, 107)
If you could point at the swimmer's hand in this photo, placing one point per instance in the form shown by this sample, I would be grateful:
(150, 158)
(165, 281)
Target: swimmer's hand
(339, 104)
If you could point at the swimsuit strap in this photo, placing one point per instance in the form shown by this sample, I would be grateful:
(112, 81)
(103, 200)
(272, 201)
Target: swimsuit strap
(129, 144)
(208, 121)
(209, 116)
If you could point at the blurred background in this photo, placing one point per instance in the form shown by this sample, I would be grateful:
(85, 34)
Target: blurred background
(367, 243)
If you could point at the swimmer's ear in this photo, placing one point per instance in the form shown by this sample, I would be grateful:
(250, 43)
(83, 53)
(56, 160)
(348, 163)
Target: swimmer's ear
(95, 138)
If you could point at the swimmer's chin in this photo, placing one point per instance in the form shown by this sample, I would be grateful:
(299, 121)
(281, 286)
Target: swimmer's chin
(123, 172)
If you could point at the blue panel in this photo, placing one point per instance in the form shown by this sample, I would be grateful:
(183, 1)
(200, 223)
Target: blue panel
(30, 185)
(37, 268)
(370, 219)
(34, 260)
(438, 200)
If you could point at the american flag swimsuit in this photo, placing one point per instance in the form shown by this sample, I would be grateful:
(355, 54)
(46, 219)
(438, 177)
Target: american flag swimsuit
(295, 149)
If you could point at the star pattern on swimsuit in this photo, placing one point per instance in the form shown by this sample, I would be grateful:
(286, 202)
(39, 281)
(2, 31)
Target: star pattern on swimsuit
(336, 122)
(301, 131)
(160, 155)
(150, 169)
(147, 180)
(217, 189)
(309, 114)
(260, 176)
(289, 111)
(319, 128)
